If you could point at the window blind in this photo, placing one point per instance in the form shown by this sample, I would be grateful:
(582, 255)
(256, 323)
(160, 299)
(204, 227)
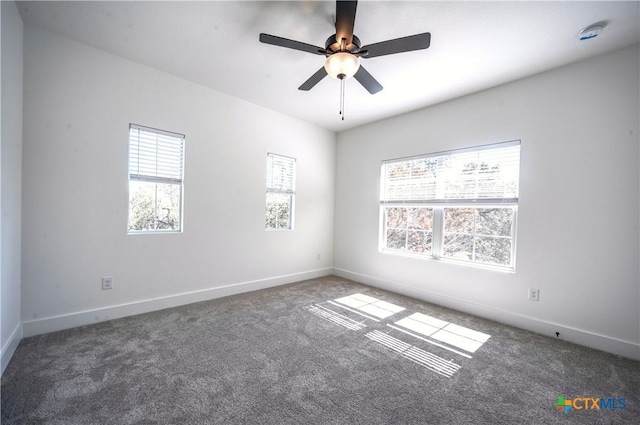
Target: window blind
(155, 155)
(486, 174)
(280, 174)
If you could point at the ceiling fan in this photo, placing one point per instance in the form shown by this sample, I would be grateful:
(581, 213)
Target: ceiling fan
(343, 51)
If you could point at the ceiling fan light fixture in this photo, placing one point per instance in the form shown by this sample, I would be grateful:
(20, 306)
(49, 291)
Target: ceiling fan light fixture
(342, 65)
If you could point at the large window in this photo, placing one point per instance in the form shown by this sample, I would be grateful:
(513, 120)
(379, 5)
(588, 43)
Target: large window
(281, 190)
(155, 180)
(457, 205)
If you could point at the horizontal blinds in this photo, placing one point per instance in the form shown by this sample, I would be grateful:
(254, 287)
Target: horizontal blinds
(155, 155)
(281, 175)
(490, 173)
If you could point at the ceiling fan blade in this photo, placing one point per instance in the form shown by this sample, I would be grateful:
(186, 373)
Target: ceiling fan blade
(398, 45)
(345, 19)
(313, 80)
(367, 80)
(290, 44)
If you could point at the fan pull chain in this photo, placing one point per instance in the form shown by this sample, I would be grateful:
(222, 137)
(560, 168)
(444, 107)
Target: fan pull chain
(342, 97)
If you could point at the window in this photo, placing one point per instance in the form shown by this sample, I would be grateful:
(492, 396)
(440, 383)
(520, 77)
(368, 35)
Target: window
(457, 205)
(281, 189)
(155, 180)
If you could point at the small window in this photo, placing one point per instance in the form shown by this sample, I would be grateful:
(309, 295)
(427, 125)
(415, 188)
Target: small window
(156, 160)
(457, 205)
(281, 190)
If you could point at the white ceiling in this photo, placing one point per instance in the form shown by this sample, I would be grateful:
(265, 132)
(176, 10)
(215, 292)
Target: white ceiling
(474, 46)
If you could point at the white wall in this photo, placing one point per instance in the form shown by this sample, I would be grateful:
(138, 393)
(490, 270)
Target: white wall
(78, 103)
(577, 235)
(10, 182)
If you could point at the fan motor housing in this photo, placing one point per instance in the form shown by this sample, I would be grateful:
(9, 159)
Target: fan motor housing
(333, 45)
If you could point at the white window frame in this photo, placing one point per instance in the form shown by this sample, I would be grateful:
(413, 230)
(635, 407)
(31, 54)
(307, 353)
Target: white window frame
(281, 182)
(438, 206)
(149, 167)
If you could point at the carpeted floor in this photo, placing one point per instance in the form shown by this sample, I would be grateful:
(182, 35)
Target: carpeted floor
(323, 351)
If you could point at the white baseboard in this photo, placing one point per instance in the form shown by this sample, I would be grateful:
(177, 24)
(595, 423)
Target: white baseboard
(10, 347)
(87, 317)
(583, 337)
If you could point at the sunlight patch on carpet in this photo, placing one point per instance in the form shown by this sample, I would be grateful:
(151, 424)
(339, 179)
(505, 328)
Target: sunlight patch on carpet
(335, 317)
(409, 336)
(352, 310)
(370, 305)
(428, 360)
(449, 333)
(437, 344)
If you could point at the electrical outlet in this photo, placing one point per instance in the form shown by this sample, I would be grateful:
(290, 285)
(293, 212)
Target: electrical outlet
(107, 282)
(534, 294)
(318, 257)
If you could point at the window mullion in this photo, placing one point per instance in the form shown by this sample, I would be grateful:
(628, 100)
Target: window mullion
(406, 232)
(512, 261)
(155, 206)
(475, 233)
(438, 232)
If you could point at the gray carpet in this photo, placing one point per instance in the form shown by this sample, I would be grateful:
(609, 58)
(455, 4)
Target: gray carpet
(294, 355)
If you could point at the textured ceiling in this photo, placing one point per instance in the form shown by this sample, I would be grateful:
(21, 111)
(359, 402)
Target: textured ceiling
(474, 46)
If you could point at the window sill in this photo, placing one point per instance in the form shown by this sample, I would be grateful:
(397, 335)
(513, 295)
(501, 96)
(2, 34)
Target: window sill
(155, 232)
(461, 263)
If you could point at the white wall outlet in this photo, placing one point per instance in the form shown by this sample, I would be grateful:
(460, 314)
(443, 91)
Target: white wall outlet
(318, 257)
(534, 294)
(107, 282)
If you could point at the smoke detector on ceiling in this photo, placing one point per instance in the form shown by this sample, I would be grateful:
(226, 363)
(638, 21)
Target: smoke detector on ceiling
(591, 31)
